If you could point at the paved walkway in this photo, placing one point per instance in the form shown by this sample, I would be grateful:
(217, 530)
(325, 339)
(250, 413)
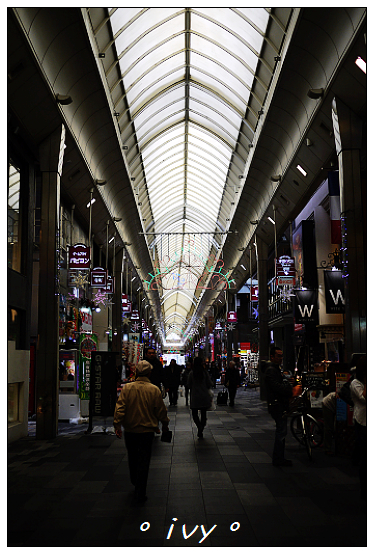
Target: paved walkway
(219, 491)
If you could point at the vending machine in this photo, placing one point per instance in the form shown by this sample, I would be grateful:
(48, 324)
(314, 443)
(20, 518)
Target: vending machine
(68, 385)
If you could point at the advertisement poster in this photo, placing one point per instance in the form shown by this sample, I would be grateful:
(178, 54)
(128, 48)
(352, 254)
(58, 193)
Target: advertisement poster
(85, 315)
(87, 344)
(316, 397)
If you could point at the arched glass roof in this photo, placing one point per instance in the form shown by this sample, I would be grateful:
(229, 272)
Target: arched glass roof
(184, 99)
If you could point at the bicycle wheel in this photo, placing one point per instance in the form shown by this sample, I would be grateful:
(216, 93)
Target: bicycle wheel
(307, 437)
(296, 428)
(316, 431)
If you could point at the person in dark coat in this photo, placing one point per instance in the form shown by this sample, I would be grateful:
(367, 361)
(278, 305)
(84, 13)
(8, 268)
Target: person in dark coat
(232, 381)
(214, 373)
(173, 377)
(184, 380)
(199, 384)
(279, 392)
(158, 375)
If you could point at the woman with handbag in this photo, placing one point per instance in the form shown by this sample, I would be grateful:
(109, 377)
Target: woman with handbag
(199, 384)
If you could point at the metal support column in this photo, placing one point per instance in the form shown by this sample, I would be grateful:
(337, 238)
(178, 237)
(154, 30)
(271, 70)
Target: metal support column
(263, 331)
(118, 265)
(47, 357)
(348, 139)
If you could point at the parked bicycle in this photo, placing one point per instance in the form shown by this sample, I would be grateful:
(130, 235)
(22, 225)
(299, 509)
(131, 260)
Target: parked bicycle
(304, 427)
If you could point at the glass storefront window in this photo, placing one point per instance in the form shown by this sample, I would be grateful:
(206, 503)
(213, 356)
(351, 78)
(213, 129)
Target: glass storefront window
(14, 218)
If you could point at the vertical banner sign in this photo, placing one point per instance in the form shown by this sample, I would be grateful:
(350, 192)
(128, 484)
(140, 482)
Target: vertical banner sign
(334, 194)
(103, 383)
(254, 294)
(126, 304)
(306, 307)
(79, 257)
(87, 344)
(334, 292)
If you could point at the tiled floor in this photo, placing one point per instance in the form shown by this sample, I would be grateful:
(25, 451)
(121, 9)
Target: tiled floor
(218, 491)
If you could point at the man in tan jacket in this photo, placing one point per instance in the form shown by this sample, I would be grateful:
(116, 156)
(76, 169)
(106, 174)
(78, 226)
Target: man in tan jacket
(139, 408)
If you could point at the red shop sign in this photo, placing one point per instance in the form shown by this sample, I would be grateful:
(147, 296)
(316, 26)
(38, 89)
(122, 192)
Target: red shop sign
(232, 317)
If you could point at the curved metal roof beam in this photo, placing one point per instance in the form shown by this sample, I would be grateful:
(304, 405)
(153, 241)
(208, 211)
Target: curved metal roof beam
(183, 143)
(230, 31)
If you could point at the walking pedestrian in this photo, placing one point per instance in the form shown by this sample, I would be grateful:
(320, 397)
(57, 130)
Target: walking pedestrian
(199, 384)
(139, 408)
(184, 380)
(232, 381)
(279, 391)
(158, 373)
(172, 378)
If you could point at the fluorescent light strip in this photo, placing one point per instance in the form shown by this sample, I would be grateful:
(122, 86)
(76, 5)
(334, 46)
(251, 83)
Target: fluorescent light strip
(271, 219)
(302, 171)
(361, 64)
(91, 202)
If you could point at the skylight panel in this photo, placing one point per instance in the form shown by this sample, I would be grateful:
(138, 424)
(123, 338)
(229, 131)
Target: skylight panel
(155, 166)
(208, 157)
(165, 51)
(218, 34)
(209, 140)
(200, 173)
(151, 132)
(160, 142)
(218, 71)
(151, 39)
(237, 24)
(143, 24)
(122, 16)
(213, 127)
(257, 16)
(224, 114)
(166, 150)
(158, 107)
(167, 165)
(238, 67)
(153, 83)
(231, 95)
